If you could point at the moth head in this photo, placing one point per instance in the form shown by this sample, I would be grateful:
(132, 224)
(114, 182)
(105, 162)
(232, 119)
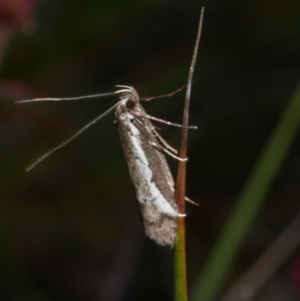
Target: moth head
(130, 97)
(130, 104)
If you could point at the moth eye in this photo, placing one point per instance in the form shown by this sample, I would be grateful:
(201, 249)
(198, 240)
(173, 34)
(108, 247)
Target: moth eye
(130, 104)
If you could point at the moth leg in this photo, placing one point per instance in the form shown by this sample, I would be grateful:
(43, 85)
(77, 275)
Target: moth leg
(144, 115)
(163, 147)
(186, 198)
(160, 147)
(164, 142)
(190, 201)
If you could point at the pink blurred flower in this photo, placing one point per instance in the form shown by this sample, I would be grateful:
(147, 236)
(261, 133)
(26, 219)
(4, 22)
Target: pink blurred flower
(18, 12)
(294, 273)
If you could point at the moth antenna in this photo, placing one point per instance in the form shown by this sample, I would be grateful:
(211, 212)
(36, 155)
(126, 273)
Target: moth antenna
(124, 86)
(163, 95)
(72, 98)
(46, 155)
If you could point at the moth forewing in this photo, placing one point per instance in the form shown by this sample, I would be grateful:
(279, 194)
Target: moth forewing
(149, 171)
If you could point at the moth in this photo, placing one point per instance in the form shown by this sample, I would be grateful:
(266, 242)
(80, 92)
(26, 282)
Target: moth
(143, 149)
(148, 169)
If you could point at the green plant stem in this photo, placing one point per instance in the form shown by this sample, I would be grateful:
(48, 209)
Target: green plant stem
(249, 202)
(180, 264)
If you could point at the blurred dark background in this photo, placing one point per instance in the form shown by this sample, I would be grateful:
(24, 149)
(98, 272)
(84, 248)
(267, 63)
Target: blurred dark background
(70, 227)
